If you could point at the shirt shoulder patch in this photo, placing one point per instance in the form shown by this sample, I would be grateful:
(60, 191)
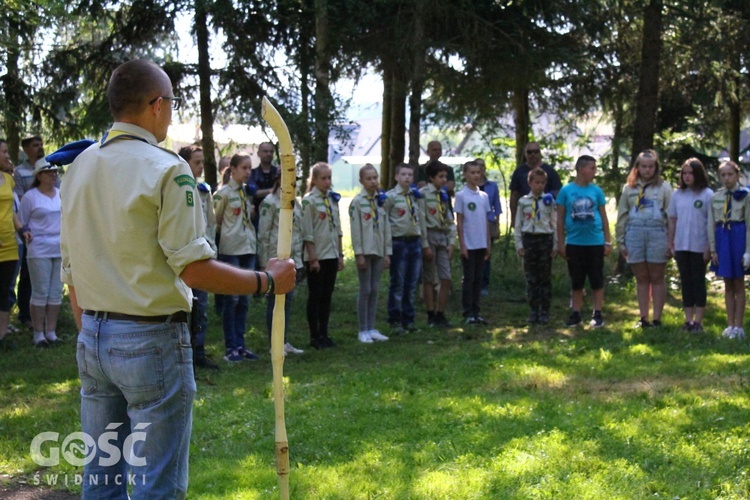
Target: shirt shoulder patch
(185, 180)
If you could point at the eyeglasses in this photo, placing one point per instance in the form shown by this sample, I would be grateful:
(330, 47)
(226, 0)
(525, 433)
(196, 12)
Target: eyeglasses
(537, 151)
(176, 101)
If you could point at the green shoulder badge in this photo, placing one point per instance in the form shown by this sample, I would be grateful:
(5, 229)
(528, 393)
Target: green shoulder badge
(185, 180)
(189, 198)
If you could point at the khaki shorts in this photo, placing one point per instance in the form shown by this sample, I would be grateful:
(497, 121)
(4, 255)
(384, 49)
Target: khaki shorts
(440, 266)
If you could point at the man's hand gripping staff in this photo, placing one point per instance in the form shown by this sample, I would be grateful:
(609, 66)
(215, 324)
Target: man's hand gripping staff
(284, 250)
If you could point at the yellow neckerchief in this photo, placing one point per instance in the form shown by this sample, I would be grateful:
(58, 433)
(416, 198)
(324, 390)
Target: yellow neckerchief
(373, 207)
(114, 135)
(329, 212)
(441, 208)
(410, 204)
(245, 216)
(535, 213)
(642, 195)
(727, 208)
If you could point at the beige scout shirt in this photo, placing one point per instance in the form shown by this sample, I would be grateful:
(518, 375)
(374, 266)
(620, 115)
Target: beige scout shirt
(131, 222)
(739, 211)
(207, 206)
(642, 207)
(268, 230)
(321, 225)
(405, 215)
(237, 232)
(431, 207)
(534, 216)
(371, 232)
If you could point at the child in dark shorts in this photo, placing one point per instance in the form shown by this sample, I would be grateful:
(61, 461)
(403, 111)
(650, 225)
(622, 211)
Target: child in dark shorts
(582, 224)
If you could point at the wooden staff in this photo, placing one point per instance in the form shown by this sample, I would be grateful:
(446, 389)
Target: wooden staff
(284, 250)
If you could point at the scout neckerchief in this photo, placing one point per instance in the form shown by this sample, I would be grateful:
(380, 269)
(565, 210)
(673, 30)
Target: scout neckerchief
(329, 212)
(114, 135)
(410, 204)
(373, 208)
(245, 216)
(642, 196)
(441, 208)
(535, 213)
(727, 209)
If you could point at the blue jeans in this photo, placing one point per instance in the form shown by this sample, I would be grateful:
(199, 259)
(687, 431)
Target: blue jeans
(137, 391)
(234, 307)
(201, 315)
(406, 266)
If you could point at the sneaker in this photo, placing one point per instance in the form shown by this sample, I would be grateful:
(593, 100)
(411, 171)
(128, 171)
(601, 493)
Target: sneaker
(328, 341)
(232, 356)
(13, 329)
(41, 344)
(574, 319)
(739, 333)
(485, 292)
(728, 332)
(247, 354)
(432, 319)
(364, 337)
(290, 349)
(396, 329)
(697, 327)
(544, 317)
(687, 326)
(656, 323)
(442, 320)
(643, 323)
(470, 320)
(411, 328)
(377, 336)
(533, 318)
(318, 343)
(480, 320)
(597, 321)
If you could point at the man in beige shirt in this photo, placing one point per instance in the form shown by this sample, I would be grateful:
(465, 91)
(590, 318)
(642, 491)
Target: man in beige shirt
(133, 246)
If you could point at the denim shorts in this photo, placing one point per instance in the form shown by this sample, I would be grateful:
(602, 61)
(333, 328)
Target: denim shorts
(646, 244)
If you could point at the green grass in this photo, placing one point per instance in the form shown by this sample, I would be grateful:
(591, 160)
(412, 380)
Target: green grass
(496, 412)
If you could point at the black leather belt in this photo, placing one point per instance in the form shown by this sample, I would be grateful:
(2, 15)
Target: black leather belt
(405, 238)
(178, 317)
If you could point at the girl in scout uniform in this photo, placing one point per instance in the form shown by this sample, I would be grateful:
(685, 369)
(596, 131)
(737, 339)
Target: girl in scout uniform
(268, 239)
(642, 233)
(441, 236)
(730, 244)
(535, 235)
(321, 233)
(371, 242)
(688, 239)
(233, 209)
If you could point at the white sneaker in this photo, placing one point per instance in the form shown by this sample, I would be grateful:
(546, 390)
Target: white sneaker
(364, 337)
(739, 333)
(728, 332)
(376, 335)
(290, 349)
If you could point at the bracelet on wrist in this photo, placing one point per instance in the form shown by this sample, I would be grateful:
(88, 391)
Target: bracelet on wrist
(257, 281)
(270, 284)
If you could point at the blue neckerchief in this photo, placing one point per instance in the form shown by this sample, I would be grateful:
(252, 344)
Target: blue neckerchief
(381, 197)
(202, 186)
(740, 193)
(415, 191)
(444, 195)
(251, 189)
(548, 199)
(334, 196)
(66, 154)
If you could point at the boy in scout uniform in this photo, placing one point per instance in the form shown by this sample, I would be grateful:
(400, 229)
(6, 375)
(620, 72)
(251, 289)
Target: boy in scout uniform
(409, 240)
(535, 235)
(441, 237)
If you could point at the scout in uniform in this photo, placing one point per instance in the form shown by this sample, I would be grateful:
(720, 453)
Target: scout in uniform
(371, 242)
(441, 238)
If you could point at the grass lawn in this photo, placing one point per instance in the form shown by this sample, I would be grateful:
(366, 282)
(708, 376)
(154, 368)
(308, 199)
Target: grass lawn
(469, 412)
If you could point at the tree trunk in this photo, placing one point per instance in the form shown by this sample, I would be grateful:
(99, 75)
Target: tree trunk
(398, 118)
(417, 84)
(304, 141)
(323, 99)
(735, 112)
(521, 119)
(647, 105)
(204, 83)
(386, 169)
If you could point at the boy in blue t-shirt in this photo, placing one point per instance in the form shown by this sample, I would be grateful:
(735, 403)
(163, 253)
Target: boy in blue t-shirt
(581, 215)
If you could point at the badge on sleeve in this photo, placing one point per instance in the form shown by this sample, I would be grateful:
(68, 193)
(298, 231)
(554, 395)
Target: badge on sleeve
(185, 180)
(189, 198)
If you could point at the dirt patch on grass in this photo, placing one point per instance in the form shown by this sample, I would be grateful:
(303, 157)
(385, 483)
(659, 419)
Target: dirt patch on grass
(22, 491)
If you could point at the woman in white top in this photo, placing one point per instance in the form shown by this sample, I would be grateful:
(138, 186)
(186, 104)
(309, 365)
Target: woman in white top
(40, 212)
(688, 239)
